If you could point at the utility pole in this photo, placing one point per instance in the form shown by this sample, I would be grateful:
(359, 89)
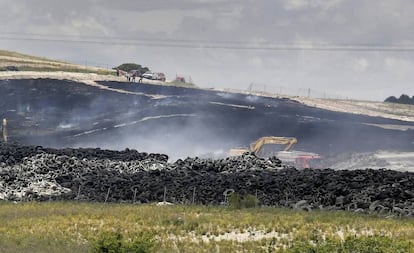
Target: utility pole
(249, 89)
(4, 128)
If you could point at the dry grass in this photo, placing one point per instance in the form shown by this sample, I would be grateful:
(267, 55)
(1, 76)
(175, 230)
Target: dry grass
(33, 63)
(25, 56)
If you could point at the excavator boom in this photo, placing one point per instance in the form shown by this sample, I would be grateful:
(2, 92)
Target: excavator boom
(299, 159)
(256, 147)
(288, 141)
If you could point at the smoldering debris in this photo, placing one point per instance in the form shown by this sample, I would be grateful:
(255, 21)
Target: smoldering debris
(351, 161)
(61, 113)
(35, 173)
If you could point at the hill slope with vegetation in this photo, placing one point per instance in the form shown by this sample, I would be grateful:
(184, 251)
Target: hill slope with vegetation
(13, 61)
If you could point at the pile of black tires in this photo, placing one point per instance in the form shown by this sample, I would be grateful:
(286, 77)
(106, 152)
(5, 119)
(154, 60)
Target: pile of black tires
(36, 173)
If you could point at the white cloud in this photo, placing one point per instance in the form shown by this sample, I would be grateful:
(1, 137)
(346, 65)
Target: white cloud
(301, 4)
(256, 62)
(361, 65)
(399, 66)
(295, 4)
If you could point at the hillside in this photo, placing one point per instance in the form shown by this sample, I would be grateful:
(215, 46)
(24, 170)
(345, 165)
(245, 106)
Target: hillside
(39, 67)
(30, 66)
(15, 65)
(25, 62)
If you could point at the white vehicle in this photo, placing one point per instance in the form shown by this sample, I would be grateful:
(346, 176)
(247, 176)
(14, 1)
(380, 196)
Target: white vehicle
(148, 75)
(154, 76)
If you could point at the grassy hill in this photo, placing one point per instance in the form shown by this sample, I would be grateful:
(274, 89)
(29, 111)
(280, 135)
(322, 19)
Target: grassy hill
(25, 62)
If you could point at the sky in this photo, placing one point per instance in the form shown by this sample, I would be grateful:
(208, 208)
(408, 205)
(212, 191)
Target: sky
(359, 49)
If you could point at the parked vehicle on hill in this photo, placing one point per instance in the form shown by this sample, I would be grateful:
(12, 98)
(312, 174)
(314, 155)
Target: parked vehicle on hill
(179, 79)
(160, 76)
(11, 68)
(148, 75)
(154, 76)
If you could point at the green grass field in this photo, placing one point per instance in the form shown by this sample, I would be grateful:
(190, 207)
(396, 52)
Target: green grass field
(76, 227)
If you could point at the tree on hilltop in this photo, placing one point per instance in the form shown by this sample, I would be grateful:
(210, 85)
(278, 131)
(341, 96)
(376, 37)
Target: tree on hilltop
(127, 67)
(391, 99)
(403, 99)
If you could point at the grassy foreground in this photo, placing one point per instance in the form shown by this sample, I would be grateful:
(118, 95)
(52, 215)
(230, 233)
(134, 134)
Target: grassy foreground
(76, 227)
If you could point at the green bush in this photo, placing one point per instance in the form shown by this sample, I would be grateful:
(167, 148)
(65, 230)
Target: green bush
(127, 67)
(238, 202)
(113, 242)
(370, 244)
(250, 201)
(235, 201)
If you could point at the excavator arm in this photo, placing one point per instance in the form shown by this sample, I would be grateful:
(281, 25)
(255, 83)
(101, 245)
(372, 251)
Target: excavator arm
(288, 141)
(256, 147)
(299, 159)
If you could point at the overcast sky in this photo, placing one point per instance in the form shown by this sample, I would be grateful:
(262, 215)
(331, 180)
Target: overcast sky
(228, 43)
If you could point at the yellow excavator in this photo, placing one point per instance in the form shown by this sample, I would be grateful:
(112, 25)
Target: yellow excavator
(257, 147)
(299, 159)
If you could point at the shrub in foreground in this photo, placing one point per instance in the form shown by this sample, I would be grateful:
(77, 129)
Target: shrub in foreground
(236, 201)
(370, 244)
(113, 242)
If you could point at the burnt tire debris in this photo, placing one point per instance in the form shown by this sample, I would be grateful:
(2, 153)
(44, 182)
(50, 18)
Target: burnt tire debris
(30, 173)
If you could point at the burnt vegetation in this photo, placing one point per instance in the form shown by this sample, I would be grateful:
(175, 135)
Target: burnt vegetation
(180, 121)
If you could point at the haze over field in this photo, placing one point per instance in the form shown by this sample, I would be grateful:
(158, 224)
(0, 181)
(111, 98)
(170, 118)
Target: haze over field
(356, 49)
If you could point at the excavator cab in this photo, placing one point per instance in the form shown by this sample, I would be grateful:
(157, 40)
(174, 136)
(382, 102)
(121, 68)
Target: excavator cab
(308, 161)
